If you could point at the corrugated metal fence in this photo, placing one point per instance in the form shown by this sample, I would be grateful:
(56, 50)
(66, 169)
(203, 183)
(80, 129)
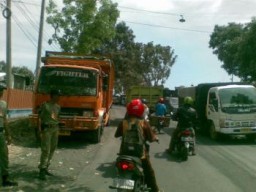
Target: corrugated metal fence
(19, 102)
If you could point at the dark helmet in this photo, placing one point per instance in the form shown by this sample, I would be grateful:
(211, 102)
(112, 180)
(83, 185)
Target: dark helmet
(188, 101)
(135, 108)
(161, 100)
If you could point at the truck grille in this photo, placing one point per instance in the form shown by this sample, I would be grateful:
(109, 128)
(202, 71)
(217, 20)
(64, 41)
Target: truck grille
(72, 111)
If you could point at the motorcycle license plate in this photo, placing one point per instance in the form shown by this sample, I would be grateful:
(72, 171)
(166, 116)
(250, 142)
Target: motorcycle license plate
(186, 139)
(123, 183)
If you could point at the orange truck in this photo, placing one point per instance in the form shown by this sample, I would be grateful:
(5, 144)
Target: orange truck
(86, 86)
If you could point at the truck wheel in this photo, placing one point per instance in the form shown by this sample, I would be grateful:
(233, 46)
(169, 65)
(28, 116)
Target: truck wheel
(96, 135)
(251, 137)
(213, 134)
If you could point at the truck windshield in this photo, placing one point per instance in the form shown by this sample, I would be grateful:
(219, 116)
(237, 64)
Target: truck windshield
(238, 100)
(77, 82)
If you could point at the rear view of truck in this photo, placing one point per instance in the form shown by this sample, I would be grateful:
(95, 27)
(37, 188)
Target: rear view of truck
(151, 94)
(86, 87)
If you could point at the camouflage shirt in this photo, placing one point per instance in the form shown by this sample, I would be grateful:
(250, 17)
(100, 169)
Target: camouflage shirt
(3, 112)
(49, 113)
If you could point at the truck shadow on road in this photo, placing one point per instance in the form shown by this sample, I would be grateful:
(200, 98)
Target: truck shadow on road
(224, 140)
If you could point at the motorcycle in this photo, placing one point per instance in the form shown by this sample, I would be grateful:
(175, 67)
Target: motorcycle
(185, 143)
(130, 175)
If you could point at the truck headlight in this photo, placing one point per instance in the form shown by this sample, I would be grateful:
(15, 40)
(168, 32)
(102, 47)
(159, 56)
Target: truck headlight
(88, 114)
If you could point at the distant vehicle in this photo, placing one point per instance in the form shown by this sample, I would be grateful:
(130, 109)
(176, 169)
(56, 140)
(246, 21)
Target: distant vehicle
(150, 93)
(86, 85)
(116, 99)
(224, 108)
(123, 99)
(174, 102)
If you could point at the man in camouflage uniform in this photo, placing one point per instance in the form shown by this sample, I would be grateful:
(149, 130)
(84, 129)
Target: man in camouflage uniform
(4, 140)
(49, 126)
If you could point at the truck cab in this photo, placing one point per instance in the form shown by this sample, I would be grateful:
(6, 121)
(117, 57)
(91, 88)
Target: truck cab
(86, 87)
(231, 110)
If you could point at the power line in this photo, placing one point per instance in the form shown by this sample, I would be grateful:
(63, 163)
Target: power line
(27, 34)
(167, 27)
(27, 14)
(34, 4)
(155, 12)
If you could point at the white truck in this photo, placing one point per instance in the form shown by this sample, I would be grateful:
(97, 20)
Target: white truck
(224, 108)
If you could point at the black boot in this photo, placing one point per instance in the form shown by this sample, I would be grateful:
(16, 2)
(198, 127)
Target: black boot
(7, 182)
(42, 174)
(48, 173)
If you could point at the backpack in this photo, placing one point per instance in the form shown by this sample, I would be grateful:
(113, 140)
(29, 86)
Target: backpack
(133, 140)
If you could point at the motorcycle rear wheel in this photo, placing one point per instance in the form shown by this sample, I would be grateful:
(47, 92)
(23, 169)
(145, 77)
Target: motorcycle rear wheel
(184, 153)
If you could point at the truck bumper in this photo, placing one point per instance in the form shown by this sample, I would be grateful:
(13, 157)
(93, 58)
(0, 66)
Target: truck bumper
(238, 131)
(68, 125)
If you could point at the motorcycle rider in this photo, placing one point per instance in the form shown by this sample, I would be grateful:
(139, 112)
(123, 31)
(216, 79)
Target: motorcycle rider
(186, 117)
(161, 111)
(161, 107)
(135, 110)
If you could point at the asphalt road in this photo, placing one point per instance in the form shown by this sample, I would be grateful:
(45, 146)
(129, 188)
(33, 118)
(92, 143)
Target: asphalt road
(224, 166)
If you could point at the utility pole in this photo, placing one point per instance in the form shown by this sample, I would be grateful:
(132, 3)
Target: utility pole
(7, 14)
(40, 38)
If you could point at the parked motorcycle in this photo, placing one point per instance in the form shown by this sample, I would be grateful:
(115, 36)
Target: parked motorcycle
(184, 144)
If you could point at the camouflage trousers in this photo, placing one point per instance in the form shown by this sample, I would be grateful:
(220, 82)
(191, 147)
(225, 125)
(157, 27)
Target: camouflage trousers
(49, 142)
(4, 160)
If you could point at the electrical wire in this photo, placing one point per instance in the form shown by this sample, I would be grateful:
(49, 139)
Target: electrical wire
(26, 33)
(167, 27)
(155, 12)
(25, 12)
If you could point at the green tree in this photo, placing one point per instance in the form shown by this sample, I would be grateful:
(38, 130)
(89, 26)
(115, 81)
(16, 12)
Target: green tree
(90, 27)
(156, 63)
(82, 26)
(138, 63)
(246, 53)
(121, 49)
(234, 45)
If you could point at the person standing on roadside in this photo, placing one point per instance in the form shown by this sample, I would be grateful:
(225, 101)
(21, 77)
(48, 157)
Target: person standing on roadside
(5, 139)
(49, 129)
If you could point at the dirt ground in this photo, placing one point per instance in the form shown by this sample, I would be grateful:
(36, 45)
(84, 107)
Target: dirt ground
(24, 154)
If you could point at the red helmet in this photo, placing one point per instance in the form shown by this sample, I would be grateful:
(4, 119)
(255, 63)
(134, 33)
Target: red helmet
(135, 108)
(161, 100)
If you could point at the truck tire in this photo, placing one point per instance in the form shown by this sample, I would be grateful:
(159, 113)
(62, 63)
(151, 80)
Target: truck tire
(213, 134)
(251, 137)
(96, 135)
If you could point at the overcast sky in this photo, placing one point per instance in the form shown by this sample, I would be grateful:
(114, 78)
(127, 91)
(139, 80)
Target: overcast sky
(151, 21)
